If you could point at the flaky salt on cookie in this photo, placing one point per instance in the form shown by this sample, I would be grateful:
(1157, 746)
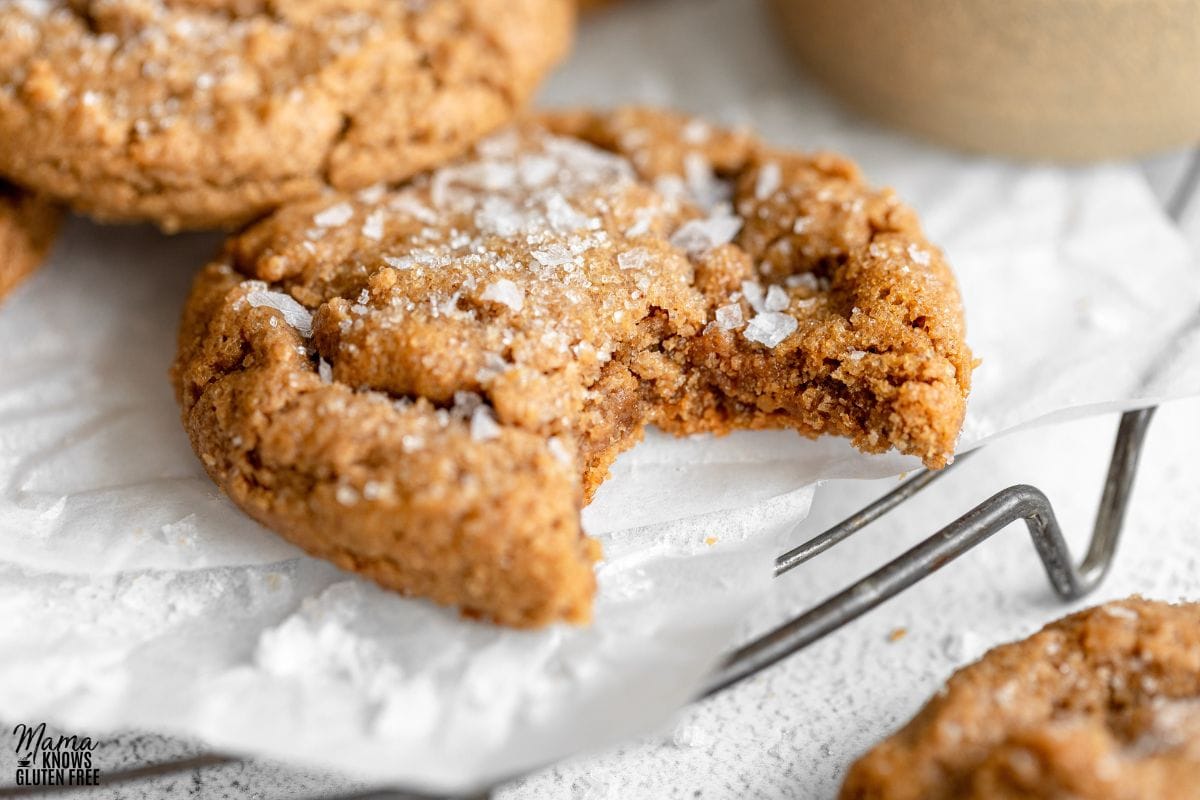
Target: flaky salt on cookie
(1102, 704)
(426, 384)
(207, 113)
(27, 226)
(831, 313)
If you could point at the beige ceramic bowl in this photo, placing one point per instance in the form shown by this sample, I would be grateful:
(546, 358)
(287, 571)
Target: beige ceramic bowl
(1063, 79)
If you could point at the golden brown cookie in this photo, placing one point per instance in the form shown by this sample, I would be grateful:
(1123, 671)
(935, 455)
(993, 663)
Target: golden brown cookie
(27, 226)
(426, 384)
(205, 113)
(1102, 704)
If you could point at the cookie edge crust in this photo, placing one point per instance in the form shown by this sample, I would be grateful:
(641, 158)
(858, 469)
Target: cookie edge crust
(28, 225)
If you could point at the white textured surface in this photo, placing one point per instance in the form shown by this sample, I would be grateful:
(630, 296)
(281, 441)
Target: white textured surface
(785, 734)
(790, 732)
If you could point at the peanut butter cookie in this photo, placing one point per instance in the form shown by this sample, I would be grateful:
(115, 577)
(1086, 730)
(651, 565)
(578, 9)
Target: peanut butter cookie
(206, 113)
(426, 384)
(1102, 704)
(27, 226)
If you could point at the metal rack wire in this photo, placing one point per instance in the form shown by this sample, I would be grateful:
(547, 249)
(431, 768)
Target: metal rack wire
(1070, 581)
(1020, 502)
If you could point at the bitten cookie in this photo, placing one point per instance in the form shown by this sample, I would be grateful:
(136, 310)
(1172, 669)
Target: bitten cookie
(426, 384)
(207, 113)
(1102, 704)
(27, 226)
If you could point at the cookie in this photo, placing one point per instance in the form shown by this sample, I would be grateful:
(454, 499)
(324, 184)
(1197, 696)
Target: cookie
(425, 384)
(1102, 704)
(207, 113)
(27, 226)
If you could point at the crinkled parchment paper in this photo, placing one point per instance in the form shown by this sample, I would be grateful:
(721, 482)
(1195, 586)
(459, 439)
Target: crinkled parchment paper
(133, 595)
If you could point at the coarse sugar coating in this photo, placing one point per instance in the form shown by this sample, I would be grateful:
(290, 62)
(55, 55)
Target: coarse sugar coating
(207, 113)
(425, 384)
(859, 314)
(1102, 704)
(27, 226)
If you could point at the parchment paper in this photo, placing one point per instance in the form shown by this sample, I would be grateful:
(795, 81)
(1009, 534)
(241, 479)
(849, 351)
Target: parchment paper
(133, 595)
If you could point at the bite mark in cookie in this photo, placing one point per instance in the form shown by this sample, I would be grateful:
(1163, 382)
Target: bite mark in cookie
(27, 226)
(426, 384)
(207, 113)
(1102, 704)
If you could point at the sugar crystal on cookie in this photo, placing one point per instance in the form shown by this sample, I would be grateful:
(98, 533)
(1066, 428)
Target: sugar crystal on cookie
(293, 313)
(769, 328)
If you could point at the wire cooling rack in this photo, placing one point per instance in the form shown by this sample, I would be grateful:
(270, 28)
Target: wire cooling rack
(1068, 579)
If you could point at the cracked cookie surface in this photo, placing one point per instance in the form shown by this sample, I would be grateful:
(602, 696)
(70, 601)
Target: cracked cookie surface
(207, 113)
(27, 226)
(425, 384)
(1102, 704)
